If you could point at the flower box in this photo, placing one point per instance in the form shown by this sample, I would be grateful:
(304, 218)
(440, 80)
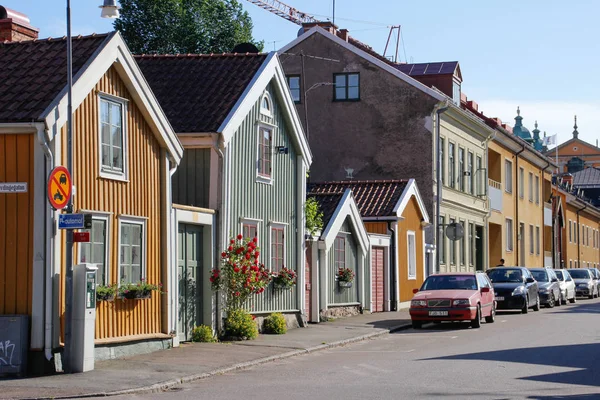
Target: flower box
(137, 294)
(345, 284)
(108, 297)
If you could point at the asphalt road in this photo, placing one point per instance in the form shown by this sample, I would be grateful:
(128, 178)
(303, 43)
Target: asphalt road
(550, 354)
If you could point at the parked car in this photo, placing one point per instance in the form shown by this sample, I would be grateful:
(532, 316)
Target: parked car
(585, 285)
(514, 288)
(454, 297)
(596, 275)
(548, 286)
(567, 286)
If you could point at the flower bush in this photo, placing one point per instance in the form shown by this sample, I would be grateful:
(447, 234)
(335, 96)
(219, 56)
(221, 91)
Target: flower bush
(275, 324)
(139, 290)
(204, 334)
(106, 292)
(239, 324)
(314, 216)
(240, 274)
(345, 275)
(285, 278)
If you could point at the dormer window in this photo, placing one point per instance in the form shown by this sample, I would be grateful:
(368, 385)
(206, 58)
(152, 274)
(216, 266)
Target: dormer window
(456, 92)
(266, 107)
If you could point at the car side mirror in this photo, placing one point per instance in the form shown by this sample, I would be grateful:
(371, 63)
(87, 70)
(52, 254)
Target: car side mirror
(415, 291)
(530, 280)
(554, 280)
(485, 290)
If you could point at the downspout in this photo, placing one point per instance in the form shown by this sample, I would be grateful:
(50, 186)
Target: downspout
(543, 215)
(217, 232)
(43, 138)
(393, 267)
(486, 224)
(517, 223)
(579, 237)
(173, 245)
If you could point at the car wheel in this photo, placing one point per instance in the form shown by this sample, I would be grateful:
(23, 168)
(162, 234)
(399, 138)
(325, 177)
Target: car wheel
(591, 296)
(525, 308)
(560, 300)
(537, 303)
(551, 301)
(573, 299)
(417, 324)
(476, 323)
(492, 317)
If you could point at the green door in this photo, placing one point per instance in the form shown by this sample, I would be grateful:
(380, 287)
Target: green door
(189, 271)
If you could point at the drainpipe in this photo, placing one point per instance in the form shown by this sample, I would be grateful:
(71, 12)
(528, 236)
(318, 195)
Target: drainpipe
(216, 231)
(517, 223)
(393, 267)
(543, 211)
(172, 240)
(438, 178)
(579, 237)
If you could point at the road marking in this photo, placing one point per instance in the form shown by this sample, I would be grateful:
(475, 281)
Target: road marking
(367, 366)
(453, 337)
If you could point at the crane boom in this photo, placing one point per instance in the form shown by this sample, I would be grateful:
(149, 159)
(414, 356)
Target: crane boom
(284, 11)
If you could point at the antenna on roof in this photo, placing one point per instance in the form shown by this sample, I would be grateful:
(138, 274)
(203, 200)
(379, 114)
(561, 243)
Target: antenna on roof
(392, 28)
(349, 172)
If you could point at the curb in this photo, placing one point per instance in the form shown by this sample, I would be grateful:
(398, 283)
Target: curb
(162, 386)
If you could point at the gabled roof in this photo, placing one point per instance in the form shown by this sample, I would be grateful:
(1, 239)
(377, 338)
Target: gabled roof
(433, 68)
(34, 73)
(586, 178)
(328, 203)
(197, 92)
(365, 52)
(551, 152)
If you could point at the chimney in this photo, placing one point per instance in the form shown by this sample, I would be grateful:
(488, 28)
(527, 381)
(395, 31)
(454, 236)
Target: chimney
(343, 34)
(567, 179)
(15, 27)
(473, 105)
(327, 25)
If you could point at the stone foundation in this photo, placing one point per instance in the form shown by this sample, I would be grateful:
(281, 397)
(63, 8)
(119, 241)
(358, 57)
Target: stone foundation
(119, 350)
(292, 321)
(340, 312)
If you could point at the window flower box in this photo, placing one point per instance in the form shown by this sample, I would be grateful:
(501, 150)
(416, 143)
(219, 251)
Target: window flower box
(140, 290)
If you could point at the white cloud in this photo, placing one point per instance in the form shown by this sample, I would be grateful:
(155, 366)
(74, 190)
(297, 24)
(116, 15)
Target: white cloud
(552, 116)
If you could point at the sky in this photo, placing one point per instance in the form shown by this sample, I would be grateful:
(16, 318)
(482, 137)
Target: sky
(540, 55)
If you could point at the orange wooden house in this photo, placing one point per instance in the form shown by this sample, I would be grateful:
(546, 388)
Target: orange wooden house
(124, 153)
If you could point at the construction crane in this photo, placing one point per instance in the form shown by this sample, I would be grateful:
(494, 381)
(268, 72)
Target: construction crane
(284, 11)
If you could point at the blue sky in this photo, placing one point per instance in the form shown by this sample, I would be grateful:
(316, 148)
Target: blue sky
(541, 55)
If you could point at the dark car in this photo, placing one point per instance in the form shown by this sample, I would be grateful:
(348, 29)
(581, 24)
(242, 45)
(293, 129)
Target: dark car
(585, 285)
(596, 274)
(514, 288)
(548, 286)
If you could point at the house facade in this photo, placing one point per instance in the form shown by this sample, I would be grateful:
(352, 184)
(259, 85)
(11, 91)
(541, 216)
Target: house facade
(575, 154)
(244, 172)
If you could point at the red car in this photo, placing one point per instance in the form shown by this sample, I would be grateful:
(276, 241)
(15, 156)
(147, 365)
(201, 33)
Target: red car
(465, 296)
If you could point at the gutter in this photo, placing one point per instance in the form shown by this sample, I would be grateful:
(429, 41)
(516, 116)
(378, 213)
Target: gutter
(393, 268)
(579, 237)
(518, 224)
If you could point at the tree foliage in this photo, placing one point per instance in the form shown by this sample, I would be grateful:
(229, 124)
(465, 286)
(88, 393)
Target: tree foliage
(184, 26)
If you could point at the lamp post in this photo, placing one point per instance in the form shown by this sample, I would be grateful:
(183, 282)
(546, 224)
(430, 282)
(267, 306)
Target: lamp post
(109, 10)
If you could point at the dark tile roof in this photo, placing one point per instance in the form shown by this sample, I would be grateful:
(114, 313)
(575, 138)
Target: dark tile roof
(436, 68)
(586, 178)
(34, 72)
(197, 92)
(369, 50)
(376, 198)
(328, 202)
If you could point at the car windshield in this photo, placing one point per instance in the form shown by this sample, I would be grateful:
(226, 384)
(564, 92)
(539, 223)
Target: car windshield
(540, 276)
(559, 275)
(579, 274)
(505, 275)
(449, 282)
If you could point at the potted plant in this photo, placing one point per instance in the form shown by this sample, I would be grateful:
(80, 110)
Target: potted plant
(139, 290)
(285, 279)
(345, 277)
(106, 292)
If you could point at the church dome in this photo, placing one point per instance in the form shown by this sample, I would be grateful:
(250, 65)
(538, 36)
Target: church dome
(519, 130)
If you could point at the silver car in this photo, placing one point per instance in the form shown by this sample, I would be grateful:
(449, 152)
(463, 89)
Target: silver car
(585, 285)
(567, 286)
(596, 274)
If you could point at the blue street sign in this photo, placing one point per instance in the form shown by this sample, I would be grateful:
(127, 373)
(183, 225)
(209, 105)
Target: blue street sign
(71, 221)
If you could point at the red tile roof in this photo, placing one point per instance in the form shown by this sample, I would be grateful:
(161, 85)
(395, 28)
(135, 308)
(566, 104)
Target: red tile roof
(197, 91)
(34, 72)
(376, 198)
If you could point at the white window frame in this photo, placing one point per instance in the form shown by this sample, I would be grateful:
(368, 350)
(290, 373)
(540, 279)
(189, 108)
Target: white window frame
(251, 221)
(288, 79)
(521, 182)
(461, 169)
(272, 226)
(531, 187)
(266, 179)
(452, 165)
(537, 240)
(509, 234)
(143, 221)
(531, 239)
(537, 189)
(119, 176)
(106, 217)
(411, 257)
(471, 180)
(508, 178)
(266, 111)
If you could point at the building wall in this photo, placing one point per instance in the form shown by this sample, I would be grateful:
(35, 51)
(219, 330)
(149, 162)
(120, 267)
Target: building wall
(586, 151)
(140, 196)
(411, 222)
(266, 203)
(581, 249)
(191, 181)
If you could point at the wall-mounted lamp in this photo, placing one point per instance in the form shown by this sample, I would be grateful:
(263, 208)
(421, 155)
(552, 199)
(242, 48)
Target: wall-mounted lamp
(281, 149)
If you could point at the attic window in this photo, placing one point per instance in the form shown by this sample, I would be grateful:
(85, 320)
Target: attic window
(266, 108)
(575, 148)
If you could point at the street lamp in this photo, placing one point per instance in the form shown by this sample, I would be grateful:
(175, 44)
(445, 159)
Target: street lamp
(109, 10)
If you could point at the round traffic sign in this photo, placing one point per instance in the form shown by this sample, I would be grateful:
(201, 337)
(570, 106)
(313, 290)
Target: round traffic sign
(59, 187)
(455, 231)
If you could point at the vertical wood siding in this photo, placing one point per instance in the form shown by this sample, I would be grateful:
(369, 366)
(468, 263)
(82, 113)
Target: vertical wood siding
(191, 181)
(411, 222)
(139, 197)
(266, 202)
(339, 295)
(16, 225)
(376, 227)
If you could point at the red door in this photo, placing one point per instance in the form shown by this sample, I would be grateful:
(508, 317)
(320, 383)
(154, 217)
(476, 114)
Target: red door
(377, 263)
(307, 280)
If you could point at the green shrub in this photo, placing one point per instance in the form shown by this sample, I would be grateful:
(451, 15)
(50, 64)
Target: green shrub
(275, 324)
(204, 334)
(240, 325)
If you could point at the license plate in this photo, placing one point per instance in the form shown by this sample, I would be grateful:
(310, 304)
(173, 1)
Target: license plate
(438, 313)
(499, 298)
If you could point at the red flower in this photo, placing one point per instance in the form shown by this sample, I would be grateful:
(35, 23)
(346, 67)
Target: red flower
(253, 317)
(240, 237)
(248, 255)
(256, 279)
(232, 241)
(255, 239)
(257, 254)
(236, 270)
(239, 250)
(212, 279)
(224, 255)
(230, 248)
(237, 294)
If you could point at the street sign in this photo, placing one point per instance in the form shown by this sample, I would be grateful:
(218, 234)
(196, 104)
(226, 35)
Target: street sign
(13, 187)
(81, 237)
(59, 187)
(71, 221)
(455, 231)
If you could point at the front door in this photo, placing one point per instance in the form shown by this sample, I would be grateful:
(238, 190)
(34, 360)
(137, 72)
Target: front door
(521, 245)
(377, 269)
(189, 271)
(479, 248)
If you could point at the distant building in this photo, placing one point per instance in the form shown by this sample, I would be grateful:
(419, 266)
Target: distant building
(575, 154)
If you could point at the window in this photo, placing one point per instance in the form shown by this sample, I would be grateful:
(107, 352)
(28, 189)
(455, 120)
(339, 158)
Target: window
(451, 166)
(249, 229)
(531, 243)
(264, 151)
(340, 252)
(277, 248)
(95, 251)
(112, 137)
(480, 185)
(531, 187)
(537, 189)
(537, 240)
(412, 255)
(463, 245)
(347, 87)
(508, 176)
(471, 178)
(456, 93)
(266, 108)
(571, 264)
(461, 168)
(452, 248)
(131, 260)
(294, 85)
(509, 235)
(570, 231)
(442, 240)
(472, 243)
(443, 162)
(521, 182)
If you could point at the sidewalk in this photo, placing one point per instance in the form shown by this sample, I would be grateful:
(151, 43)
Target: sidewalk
(161, 370)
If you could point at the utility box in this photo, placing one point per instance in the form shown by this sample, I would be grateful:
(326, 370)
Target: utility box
(14, 344)
(84, 317)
